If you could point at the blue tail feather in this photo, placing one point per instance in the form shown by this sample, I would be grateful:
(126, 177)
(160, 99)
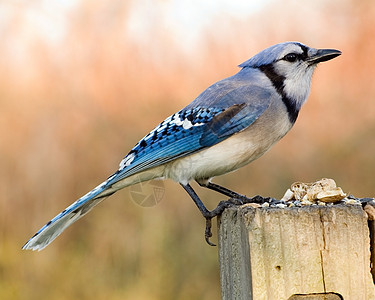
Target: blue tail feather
(68, 216)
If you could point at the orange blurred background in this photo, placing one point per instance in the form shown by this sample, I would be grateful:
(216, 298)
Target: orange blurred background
(81, 82)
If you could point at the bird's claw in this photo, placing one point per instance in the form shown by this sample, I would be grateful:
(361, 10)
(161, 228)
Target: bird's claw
(208, 233)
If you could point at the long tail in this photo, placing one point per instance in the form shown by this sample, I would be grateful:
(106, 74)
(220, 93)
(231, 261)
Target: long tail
(68, 216)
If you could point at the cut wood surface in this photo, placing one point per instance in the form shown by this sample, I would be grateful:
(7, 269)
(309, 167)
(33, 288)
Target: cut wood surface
(275, 253)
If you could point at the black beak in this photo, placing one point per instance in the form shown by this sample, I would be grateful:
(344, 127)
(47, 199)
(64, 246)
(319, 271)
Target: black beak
(323, 55)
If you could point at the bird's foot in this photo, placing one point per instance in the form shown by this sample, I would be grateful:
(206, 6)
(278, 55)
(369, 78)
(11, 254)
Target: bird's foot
(256, 199)
(238, 199)
(235, 199)
(228, 203)
(216, 212)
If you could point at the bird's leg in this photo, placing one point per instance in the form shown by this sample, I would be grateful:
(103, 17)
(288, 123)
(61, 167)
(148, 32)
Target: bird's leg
(225, 191)
(236, 198)
(208, 215)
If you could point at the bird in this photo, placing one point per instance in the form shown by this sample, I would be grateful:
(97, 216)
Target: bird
(230, 124)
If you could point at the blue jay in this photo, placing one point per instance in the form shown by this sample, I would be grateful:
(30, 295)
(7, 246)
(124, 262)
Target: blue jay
(230, 124)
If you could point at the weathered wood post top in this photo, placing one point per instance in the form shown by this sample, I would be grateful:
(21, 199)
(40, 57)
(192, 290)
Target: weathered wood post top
(277, 252)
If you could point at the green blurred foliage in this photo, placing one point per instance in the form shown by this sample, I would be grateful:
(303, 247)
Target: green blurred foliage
(71, 107)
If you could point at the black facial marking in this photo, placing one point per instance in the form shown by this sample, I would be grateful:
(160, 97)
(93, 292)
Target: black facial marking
(278, 83)
(305, 50)
(292, 57)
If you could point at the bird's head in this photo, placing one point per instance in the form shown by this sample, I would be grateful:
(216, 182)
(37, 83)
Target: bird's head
(290, 67)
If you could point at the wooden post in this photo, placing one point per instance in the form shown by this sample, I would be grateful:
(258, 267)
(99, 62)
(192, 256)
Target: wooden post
(310, 253)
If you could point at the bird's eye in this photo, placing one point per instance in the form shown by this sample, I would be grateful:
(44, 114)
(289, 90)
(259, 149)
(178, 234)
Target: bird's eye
(291, 57)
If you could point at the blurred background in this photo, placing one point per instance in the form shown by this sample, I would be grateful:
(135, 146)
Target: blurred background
(82, 81)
